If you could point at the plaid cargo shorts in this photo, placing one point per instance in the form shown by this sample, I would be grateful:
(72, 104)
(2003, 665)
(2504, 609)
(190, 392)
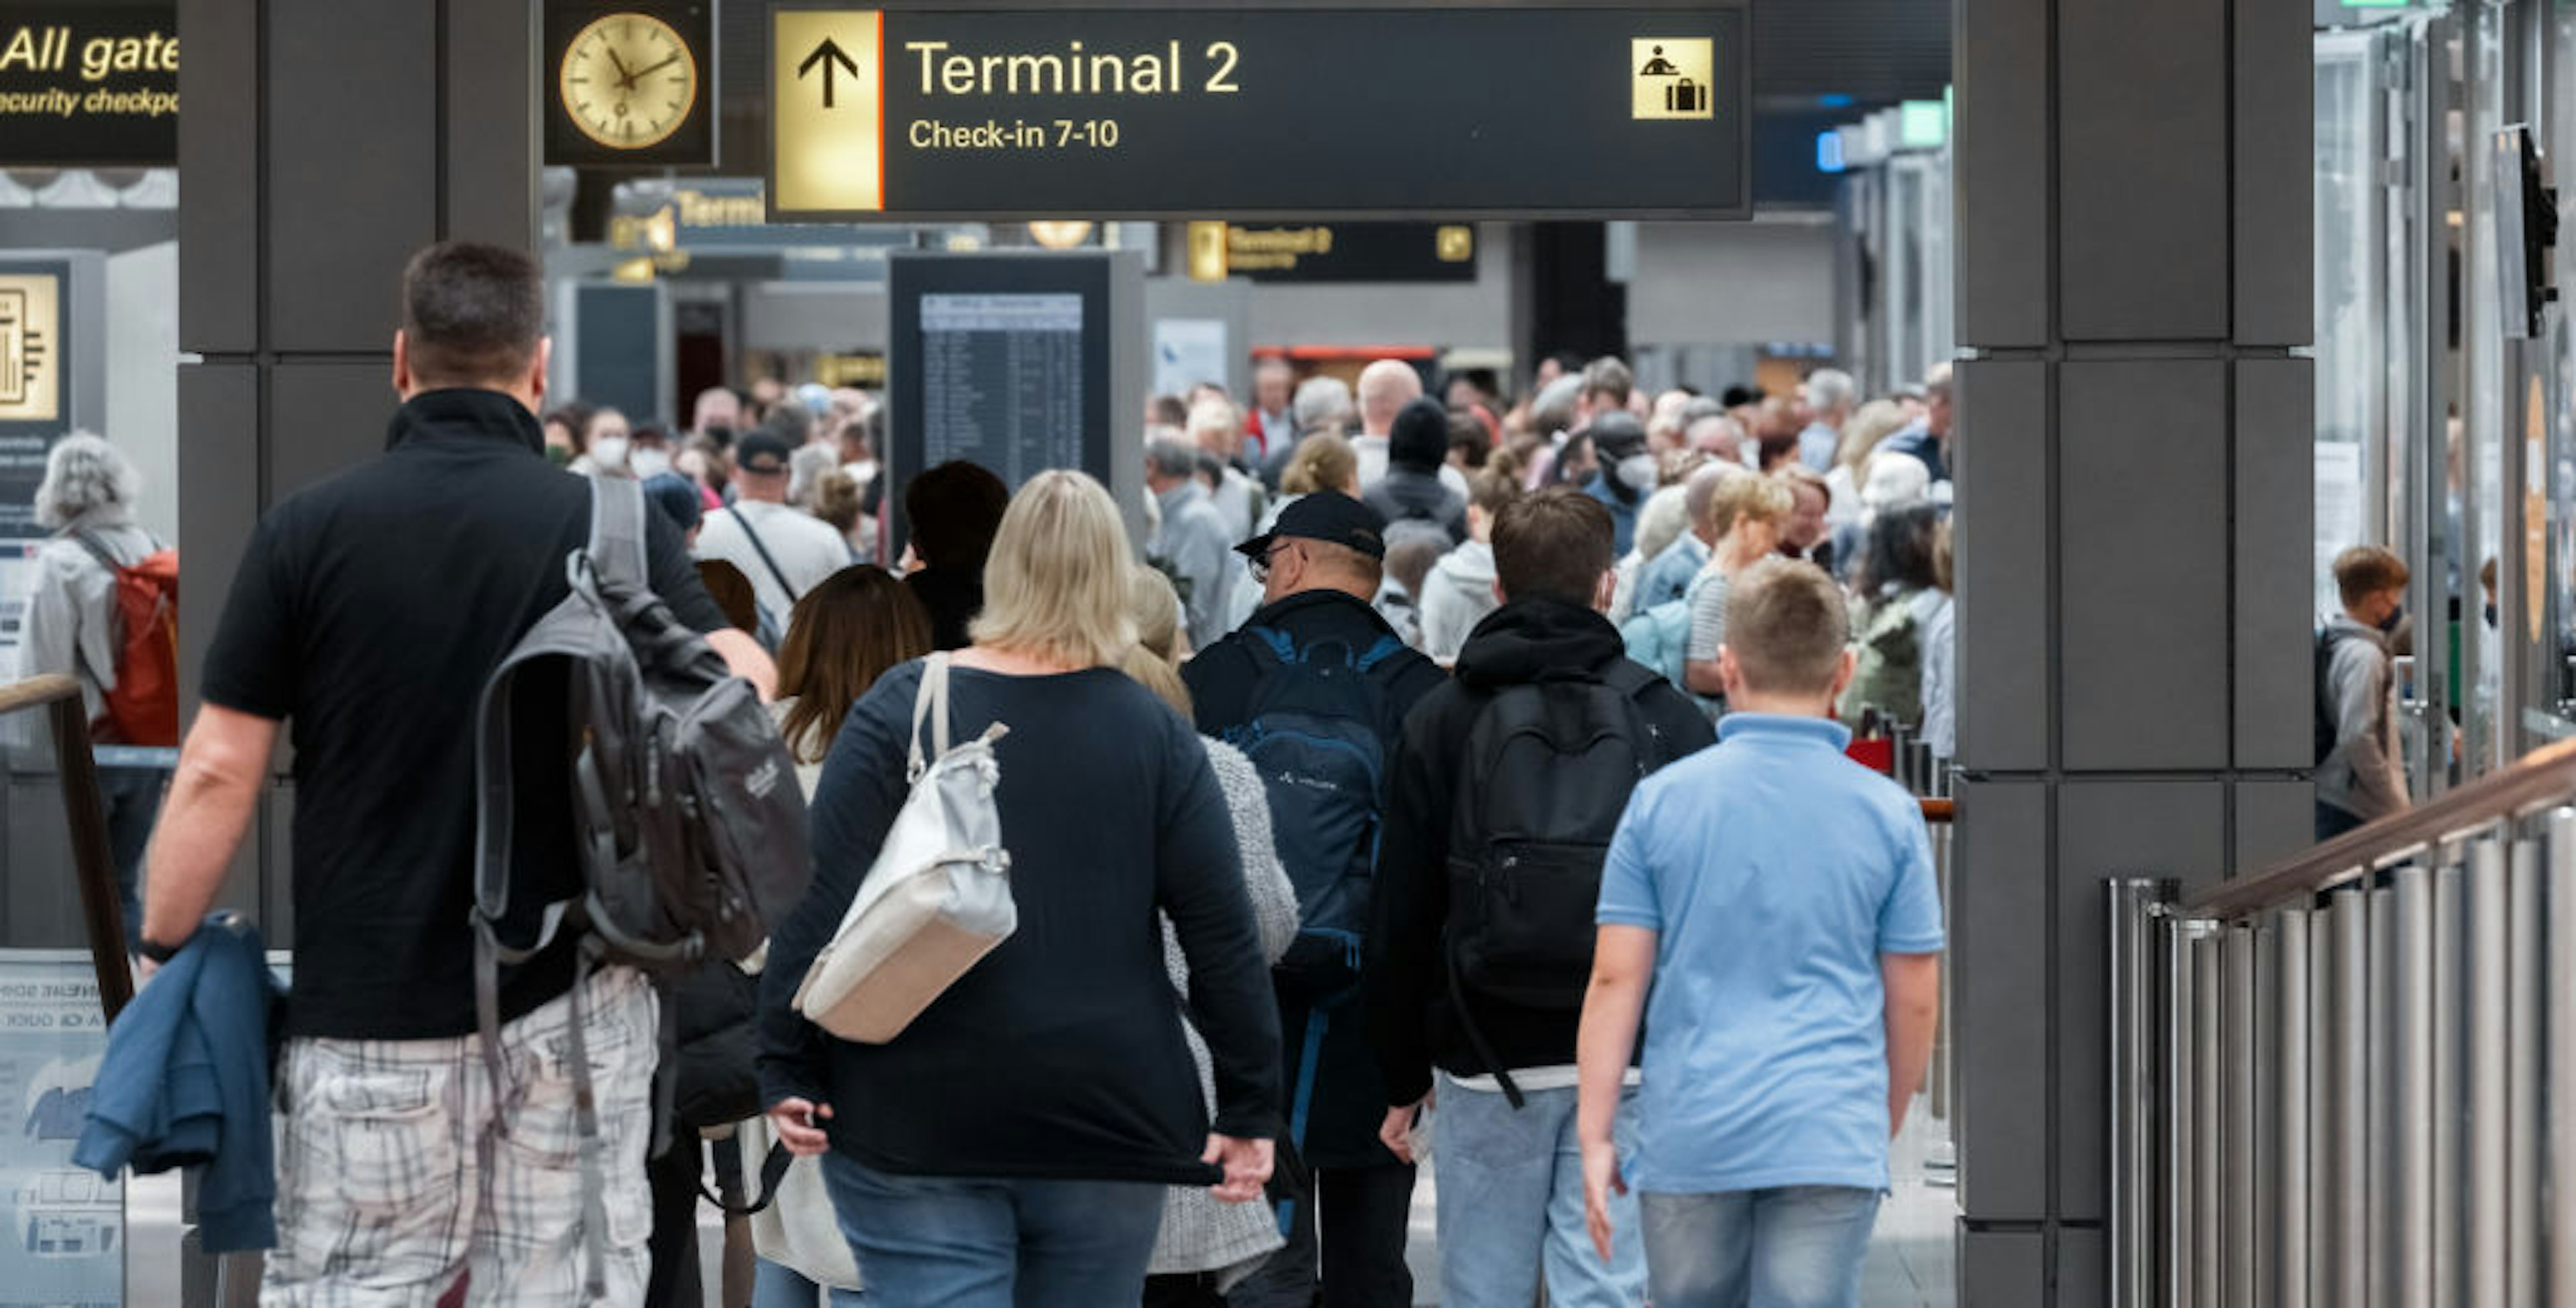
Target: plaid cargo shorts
(395, 1173)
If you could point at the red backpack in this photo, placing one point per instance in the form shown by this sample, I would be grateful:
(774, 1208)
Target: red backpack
(143, 709)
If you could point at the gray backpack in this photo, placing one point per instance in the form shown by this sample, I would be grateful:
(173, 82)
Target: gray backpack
(685, 807)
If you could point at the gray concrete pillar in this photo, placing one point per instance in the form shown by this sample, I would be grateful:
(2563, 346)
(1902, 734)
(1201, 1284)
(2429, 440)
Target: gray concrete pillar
(325, 140)
(2133, 520)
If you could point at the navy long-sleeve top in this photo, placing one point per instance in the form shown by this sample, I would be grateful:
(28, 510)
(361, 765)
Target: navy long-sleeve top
(1060, 1054)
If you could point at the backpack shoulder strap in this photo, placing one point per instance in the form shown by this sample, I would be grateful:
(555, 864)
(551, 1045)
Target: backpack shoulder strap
(97, 550)
(617, 531)
(1387, 647)
(1630, 678)
(1277, 645)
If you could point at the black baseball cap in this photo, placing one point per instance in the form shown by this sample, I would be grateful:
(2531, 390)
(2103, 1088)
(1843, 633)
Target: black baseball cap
(761, 452)
(1327, 516)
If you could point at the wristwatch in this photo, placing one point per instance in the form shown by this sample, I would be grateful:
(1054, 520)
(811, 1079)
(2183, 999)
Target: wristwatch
(159, 953)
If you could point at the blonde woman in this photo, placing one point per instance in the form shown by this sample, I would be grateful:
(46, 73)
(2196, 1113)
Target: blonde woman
(1746, 514)
(1013, 1145)
(1206, 1247)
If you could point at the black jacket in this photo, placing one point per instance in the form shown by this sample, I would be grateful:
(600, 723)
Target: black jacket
(1409, 493)
(1412, 1017)
(1347, 1103)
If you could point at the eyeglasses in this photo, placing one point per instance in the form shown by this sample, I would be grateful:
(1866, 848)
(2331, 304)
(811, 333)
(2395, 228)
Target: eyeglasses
(1260, 564)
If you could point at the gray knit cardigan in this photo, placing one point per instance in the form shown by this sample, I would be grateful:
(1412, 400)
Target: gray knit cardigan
(1199, 1233)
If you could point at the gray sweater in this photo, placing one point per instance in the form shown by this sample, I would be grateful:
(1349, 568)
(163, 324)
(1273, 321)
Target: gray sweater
(2362, 776)
(1199, 1233)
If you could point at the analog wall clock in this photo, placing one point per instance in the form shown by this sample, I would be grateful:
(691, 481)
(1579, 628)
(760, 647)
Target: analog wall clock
(631, 85)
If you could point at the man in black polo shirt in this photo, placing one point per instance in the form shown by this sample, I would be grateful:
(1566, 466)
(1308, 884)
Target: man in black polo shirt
(370, 610)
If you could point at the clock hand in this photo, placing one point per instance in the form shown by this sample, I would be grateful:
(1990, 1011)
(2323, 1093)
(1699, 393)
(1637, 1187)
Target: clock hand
(642, 73)
(624, 78)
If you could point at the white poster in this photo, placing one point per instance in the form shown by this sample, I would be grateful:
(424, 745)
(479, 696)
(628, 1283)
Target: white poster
(1188, 351)
(65, 1239)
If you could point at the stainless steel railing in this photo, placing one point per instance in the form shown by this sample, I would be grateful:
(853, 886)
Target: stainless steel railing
(2350, 1080)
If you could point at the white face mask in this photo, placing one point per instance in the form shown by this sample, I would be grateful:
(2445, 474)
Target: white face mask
(608, 452)
(1638, 471)
(648, 462)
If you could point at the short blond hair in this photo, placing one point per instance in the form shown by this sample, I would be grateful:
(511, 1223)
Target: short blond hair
(1056, 584)
(1786, 625)
(1763, 499)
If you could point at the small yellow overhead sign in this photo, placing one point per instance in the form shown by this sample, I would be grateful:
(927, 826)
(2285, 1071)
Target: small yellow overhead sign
(827, 106)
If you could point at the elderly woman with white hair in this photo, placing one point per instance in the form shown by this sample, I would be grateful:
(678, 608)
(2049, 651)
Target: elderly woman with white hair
(73, 626)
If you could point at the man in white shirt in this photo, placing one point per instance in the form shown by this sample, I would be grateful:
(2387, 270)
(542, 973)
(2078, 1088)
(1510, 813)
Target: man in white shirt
(1386, 386)
(783, 551)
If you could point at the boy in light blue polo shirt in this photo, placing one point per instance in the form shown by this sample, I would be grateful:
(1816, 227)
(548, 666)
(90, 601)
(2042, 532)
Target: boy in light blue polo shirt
(1769, 911)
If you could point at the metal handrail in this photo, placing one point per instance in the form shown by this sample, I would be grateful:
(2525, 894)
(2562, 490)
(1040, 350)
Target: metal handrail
(102, 916)
(2542, 779)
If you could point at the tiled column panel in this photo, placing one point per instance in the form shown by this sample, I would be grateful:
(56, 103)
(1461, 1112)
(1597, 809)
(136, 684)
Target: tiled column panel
(2133, 520)
(325, 140)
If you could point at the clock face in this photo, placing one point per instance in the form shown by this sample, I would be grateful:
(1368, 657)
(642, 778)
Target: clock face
(628, 81)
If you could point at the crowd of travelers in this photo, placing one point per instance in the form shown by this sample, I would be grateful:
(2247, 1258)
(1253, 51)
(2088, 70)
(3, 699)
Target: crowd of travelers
(1458, 779)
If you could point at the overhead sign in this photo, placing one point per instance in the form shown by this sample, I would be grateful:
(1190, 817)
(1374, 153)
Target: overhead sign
(1333, 252)
(1640, 110)
(89, 86)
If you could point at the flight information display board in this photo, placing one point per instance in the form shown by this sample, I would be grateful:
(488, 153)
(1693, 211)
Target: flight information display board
(1001, 381)
(1640, 110)
(1013, 362)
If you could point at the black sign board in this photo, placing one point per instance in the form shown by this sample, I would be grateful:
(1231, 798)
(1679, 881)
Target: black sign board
(1459, 111)
(89, 86)
(629, 83)
(1333, 252)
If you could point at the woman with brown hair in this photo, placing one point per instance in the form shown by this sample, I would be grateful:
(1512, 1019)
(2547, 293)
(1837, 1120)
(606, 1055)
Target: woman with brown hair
(841, 637)
(860, 623)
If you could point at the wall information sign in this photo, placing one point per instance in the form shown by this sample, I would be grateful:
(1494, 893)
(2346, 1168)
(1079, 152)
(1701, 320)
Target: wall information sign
(1640, 110)
(90, 86)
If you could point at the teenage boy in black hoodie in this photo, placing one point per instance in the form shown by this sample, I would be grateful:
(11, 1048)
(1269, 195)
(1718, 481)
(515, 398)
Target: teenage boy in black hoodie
(1481, 928)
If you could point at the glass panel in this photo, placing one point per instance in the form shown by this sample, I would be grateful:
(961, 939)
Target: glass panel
(66, 1237)
(2349, 339)
(2486, 366)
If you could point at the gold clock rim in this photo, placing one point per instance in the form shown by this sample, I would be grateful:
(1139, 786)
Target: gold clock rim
(563, 89)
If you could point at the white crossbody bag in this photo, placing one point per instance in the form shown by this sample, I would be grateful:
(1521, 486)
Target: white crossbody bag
(938, 897)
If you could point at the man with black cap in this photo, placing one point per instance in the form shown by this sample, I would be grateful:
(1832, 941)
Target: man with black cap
(1315, 689)
(1411, 497)
(783, 551)
(1627, 473)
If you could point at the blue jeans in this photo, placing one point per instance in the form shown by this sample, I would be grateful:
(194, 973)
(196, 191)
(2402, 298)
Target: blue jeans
(775, 1285)
(955, 1242)
(1511, 1204)
(1798, 1246)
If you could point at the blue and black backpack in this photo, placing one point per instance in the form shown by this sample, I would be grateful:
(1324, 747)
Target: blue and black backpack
(1313, 734)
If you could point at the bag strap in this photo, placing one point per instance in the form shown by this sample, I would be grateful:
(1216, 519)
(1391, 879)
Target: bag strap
(773, 1169)
(929, 704)
(775, 572)
(99, 551)
(617, 531)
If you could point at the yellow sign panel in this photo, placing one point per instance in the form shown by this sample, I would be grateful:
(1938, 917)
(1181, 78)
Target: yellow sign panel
(1208, 261)
(31, 363)
(827, 74)
(1675, 77)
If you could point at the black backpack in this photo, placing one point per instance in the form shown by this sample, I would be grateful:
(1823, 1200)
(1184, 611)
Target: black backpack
(1313, 734)
(687, 816)
(1546, 774)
